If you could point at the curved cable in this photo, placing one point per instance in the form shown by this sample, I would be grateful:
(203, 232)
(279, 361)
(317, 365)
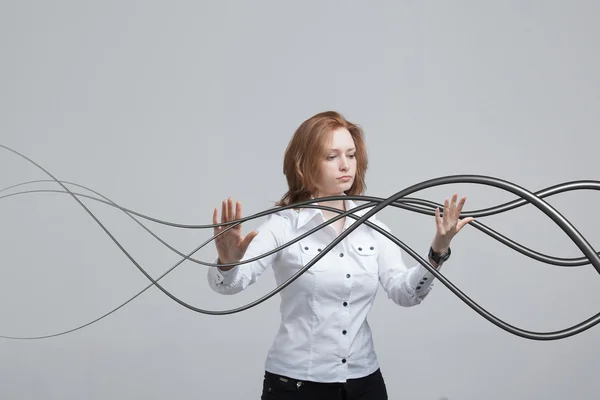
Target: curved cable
(564, 224)
(421, 206)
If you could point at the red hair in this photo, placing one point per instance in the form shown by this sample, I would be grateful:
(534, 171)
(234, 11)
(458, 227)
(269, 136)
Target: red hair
(304, 154)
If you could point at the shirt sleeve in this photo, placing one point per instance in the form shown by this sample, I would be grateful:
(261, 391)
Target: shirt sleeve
(238, 278)
(405, 286)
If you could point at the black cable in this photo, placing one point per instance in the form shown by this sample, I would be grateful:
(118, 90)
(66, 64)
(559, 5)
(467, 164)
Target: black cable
(400, 203)
(526, 196)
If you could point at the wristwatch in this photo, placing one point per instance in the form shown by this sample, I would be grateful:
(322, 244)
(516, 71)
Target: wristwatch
(437, 257)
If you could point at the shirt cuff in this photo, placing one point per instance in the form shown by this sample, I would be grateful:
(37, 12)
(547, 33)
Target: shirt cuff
(224, 277)
(421, 279)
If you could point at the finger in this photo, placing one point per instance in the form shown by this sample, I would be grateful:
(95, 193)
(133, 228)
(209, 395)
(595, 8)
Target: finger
(215, 220)
(445, 209)
(453, 203)
(224, 212)
(238, 210)
(237, 215)
(231, 214)
(438, 219)
(459, 208)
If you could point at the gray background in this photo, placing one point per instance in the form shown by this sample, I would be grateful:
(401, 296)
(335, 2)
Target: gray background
(168, 108)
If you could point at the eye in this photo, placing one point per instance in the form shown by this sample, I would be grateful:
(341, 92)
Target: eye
(352, 155)
(330, 157)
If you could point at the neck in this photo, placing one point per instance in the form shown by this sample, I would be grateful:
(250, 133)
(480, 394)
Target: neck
(338, 204)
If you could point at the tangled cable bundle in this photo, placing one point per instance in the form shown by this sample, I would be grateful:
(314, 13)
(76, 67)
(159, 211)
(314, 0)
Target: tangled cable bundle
(375, 204)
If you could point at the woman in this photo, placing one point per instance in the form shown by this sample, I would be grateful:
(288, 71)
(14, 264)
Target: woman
(324, 348)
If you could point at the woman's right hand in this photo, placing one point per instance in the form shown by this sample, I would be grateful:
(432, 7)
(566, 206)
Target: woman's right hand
(231, 245)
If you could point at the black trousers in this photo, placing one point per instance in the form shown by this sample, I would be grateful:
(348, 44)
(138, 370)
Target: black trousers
(277, 387)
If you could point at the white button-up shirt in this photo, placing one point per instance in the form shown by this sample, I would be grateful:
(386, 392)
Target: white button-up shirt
(324, 335)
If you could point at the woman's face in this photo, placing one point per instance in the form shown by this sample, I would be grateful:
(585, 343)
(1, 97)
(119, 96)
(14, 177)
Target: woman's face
(338, 166)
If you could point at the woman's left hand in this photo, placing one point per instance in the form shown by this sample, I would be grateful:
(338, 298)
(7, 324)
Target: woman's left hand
(450, 224)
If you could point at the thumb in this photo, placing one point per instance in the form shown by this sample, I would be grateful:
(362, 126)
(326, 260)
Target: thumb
(462, 223)
(249, 237)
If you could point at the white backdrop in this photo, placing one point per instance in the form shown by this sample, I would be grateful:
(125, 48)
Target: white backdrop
(169, 107)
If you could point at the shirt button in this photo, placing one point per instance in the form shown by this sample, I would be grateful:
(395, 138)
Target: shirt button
(341, 254)
(344, 361)
(345, 304)
(344, 332)
(347, 275)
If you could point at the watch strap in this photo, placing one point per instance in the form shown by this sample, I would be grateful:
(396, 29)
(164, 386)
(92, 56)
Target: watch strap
(439, 258)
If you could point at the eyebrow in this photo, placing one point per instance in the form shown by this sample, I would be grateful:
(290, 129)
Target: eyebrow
(352, 149)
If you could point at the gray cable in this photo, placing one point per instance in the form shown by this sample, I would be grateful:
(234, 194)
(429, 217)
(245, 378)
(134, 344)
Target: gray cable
(527, 197)
(428, 209)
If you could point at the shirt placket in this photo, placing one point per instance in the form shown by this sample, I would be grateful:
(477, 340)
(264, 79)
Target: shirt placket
(345, 274)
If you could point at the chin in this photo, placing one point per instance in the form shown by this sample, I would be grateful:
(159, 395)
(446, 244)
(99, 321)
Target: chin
(346, 186)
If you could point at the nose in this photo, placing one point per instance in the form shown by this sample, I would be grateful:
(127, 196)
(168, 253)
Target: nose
(344, 164)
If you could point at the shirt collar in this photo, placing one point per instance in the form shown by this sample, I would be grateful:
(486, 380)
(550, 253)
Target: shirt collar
(305, 215)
